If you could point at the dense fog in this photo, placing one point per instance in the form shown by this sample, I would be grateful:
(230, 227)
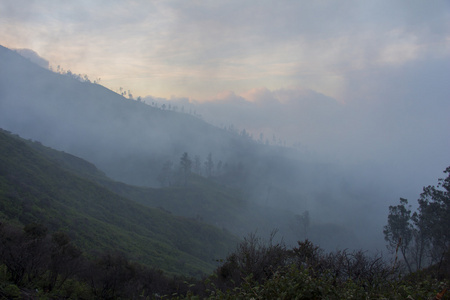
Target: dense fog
(358, 118)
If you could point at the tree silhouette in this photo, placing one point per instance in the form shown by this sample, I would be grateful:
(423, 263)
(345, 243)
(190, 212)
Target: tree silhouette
(185, 167)
(197, 165)
(209, 165)
(166, 174)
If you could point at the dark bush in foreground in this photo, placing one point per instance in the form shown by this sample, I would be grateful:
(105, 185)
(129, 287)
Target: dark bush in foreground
(270, 271)
(35, 265)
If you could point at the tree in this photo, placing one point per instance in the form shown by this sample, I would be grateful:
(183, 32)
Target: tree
(300, 224)
(219, 167)
(424, 236)
(261, 138)
(185, 167)
(434, 216)
(253, 257)
(111, 276)
(197, 165)
(24, 252)
(304, 221)
(37, 249)
(209, 165)
(65, 260)
(165, 175)
(398, 232)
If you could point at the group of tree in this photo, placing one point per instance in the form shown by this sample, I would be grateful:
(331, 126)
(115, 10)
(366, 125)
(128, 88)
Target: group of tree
(172, 174)
(69, 73)
(242, 133)
(246, 135)
(175, 108)
(35, 264)
(422, 237)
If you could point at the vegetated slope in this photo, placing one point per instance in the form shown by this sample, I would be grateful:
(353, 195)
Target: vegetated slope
(35, 189)
(202, 199)
(131, 141)
(208, 201)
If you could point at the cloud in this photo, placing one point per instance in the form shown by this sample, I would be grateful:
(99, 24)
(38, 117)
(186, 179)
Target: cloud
(199, 49)
(351, 80)
(390, 117)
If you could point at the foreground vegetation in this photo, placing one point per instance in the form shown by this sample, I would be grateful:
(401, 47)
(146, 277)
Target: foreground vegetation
(422, 237)
(35, 264)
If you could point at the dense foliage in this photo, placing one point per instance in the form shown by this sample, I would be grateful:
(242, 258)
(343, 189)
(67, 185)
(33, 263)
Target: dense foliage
(423, 237)
(36, 264)
(258, 270)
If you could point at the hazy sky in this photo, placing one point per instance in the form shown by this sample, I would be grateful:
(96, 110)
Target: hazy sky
(350, 79)
(201, 49)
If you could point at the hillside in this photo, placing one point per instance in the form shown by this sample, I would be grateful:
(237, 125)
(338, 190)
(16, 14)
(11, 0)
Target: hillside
(36, 189)
(85, 111)
(259, 187)
(204, 200)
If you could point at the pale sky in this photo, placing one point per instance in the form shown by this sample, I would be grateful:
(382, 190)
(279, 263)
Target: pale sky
(352, 80)
(202, 49)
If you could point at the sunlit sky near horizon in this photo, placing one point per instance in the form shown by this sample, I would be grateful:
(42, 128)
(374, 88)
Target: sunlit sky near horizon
(203, 49)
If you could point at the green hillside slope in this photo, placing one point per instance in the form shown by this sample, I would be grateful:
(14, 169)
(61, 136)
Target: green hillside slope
(202, 199)
(36, 189)
(207, 201)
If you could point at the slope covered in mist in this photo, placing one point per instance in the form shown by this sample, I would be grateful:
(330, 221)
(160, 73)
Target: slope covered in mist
(40, 185)
(131, 142)
(93, 122)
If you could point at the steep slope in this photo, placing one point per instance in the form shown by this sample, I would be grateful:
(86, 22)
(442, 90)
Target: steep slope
(131, 141)
(35, 189)
(92, 122)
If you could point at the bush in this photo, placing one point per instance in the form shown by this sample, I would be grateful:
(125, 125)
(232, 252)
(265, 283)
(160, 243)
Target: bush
(267, 271)
(9, 291)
